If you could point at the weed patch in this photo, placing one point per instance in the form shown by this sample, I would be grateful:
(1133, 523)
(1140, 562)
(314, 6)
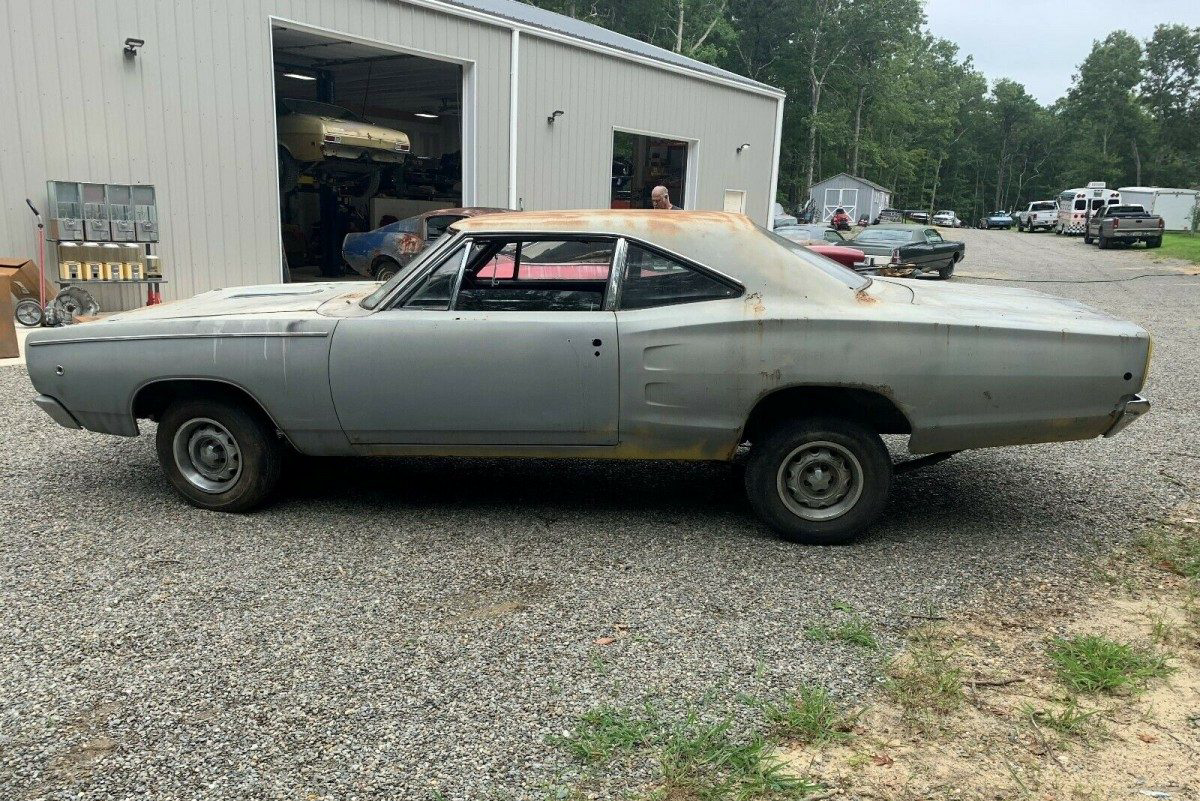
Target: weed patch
(1092, 664)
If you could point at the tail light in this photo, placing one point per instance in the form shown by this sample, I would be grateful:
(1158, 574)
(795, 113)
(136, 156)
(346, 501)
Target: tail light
(1160, 223)
(895, 255)
(1116, 223)
(333, 140)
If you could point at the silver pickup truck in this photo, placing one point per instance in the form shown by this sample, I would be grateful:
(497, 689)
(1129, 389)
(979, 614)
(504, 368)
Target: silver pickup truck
(1123, 223)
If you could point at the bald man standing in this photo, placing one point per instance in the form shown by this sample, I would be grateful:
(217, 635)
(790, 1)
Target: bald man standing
(660, 198)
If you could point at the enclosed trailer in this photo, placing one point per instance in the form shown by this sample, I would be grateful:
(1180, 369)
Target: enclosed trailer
(1175, 206)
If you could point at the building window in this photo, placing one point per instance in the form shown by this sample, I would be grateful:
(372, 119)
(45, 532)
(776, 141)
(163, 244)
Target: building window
(641, 163)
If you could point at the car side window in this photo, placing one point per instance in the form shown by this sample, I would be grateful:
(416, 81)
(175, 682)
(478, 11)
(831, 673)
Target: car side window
(933, 237)
(438, 288)
(437, 225)
(653, 279)
(537, 275)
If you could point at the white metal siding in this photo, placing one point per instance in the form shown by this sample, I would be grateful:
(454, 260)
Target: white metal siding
(193, 115)
(568, 164)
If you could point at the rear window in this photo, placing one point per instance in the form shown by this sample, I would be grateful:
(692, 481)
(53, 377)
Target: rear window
(1044, 206)
(1126, 210)
(883, 236)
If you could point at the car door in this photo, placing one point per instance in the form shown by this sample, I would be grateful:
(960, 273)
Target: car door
(939, 253)
(472, 357)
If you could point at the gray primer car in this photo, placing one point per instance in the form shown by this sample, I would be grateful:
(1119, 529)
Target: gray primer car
(725, 333)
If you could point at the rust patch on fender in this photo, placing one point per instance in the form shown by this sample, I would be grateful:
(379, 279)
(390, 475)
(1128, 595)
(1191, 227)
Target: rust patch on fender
(862, 296)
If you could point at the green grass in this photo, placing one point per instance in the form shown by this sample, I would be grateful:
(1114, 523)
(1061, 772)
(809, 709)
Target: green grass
(605, 731)
(811, 716)
(1068, 720)
(926, 680)
(1092, 664)
(1180, 246)
(1175, 548)
(855, 631)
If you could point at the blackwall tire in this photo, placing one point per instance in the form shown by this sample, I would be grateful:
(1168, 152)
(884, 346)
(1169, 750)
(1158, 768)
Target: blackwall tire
(820, 481)
(218, 455)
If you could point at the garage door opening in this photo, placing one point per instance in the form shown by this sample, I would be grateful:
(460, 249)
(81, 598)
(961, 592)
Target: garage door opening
(366, 137)
(642, 162)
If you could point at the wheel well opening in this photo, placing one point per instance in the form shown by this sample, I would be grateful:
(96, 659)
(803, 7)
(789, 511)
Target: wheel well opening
(153, 399)
(869, 408)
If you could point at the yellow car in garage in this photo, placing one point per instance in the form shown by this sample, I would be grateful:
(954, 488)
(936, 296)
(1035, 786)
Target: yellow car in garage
(332, 143)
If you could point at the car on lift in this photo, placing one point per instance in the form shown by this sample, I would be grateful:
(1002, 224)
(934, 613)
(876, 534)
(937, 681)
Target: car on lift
(333, 144)
(628, 335)
(387, 250)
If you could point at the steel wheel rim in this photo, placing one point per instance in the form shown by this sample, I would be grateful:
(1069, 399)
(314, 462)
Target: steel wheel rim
(207, 455)
(820, 481)
(28, 314)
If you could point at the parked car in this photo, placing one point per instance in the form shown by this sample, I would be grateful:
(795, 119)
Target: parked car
(503, 341)
(382, 253)
(1126, 223)
(916, 215)
(780, 217)
(997, 219)
(818, 232)
(889, 216)
(947, 218)
(911, 250)
(1038, 214)
(334, 143)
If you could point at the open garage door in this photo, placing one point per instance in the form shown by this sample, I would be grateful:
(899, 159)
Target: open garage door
(366, 137)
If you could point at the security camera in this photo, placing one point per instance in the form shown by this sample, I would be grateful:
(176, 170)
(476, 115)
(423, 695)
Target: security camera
(132, 45)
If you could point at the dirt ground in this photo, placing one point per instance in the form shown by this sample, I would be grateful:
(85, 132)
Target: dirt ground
(997, 744)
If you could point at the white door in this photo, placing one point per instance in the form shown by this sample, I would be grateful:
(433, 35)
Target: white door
(846, 199)
(735, 201)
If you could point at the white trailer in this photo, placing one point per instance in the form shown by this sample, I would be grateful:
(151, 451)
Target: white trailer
(1173, 205)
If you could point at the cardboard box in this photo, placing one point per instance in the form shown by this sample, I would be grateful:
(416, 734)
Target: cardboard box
(24, 276)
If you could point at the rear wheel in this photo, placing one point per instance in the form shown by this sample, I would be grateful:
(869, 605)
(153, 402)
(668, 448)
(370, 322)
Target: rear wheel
(289, 172)
(1087, 239)
(1102, 240)
(385, 268)
(820, 481)
(218, 455)
(1156, 242)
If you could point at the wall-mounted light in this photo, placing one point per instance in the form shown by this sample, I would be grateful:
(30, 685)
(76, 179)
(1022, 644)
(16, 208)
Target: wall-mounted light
(558, 113)
(425, 115)
(132, 45)
(743, 146)
(299, 76)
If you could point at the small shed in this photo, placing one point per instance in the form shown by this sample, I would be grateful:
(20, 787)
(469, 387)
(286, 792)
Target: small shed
(857, 196)
(1173, 205)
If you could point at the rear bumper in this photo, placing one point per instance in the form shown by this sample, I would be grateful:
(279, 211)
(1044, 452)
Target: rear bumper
(58, 413)
(1129, 409)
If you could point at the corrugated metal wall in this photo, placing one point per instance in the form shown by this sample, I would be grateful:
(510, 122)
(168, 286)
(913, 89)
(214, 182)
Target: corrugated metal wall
(193, 115)
(568, 164)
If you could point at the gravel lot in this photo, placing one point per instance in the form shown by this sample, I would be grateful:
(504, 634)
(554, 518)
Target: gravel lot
(415, 629)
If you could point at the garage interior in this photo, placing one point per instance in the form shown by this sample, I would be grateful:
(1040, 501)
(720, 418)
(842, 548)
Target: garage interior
(641, 163)
(323, 195)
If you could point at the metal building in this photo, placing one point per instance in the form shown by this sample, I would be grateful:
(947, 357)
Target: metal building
(857, 196)
(504, 104)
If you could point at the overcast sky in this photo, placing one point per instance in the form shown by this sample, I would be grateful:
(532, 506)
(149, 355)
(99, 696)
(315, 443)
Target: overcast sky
(1039, 43)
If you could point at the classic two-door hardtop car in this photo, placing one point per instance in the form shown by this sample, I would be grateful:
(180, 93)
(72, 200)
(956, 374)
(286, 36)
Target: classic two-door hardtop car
(601, 334)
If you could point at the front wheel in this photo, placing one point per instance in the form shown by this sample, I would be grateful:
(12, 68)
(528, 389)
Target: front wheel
(820, 481)
(1087, 239)
(944, 273)
(218, 455)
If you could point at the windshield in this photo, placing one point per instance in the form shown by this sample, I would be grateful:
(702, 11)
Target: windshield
(373, 300)
(320, 109)
(827, 266)
(883, 236)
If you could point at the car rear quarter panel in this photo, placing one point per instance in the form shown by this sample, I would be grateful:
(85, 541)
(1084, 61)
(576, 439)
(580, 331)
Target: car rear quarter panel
(282, 364)
(692, 374)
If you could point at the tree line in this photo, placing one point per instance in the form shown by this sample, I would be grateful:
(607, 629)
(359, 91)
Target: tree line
(870, 92)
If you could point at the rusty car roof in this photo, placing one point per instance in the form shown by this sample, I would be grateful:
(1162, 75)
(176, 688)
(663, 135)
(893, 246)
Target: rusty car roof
(722, 241)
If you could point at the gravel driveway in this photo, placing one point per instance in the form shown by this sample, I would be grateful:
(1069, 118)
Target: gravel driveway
(416, 628)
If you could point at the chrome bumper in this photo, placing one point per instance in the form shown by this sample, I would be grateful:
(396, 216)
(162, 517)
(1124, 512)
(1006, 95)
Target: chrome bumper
(58, 413)
(1129, 409)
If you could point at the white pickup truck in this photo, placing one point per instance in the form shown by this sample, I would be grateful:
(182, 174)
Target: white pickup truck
(1039, 214)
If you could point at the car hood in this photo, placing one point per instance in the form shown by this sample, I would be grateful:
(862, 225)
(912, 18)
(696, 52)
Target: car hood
(991, 305)
(255, 300)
